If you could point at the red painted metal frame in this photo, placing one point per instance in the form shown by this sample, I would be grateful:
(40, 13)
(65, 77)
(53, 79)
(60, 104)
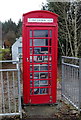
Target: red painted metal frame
(45, 98)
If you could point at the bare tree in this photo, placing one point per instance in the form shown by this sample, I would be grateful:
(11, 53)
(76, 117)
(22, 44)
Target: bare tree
(69, 27)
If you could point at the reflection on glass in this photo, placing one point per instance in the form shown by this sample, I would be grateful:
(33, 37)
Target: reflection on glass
(31, 59)
(40, 33)
(31, 91)
(31, 83)
(45, 58)
(40, 83)
(36, 91)
(50, 33)
(44, 75)
(36, 75)
(41, 50)
(36, 67)
(31, 76)
(40, 42)
(40, 67)
(40, 75)
(40, 59)
(37, 50)
(31, 68)
(36, 83)
(30, 33)
(43, 90)
(31, 51)
(43, 68)
(43, 83)
(31, 42)
(44, 50)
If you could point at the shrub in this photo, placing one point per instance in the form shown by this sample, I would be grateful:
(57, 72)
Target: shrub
(5, 54)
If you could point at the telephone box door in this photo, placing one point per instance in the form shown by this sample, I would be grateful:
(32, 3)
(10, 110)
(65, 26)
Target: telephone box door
(41, 65)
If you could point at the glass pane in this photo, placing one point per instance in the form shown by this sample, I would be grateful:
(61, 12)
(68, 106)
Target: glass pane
(37, 50)
(40, 83)
(40, 59)
(36, 83)
(36, 75)
(36, 67)
(43, 83)
(45, 58)
(31, 76)
(40, 67)
(31, 83)
(36, 91)
(31, 51)
(40, 33)
(40, 42)
(50, 33)
(30, 33)
(31, 91)
(43, 90)
(44, 50)
(31, 68)
(44, 75)
(41, 75)
(41, 50)
(30, 42)
(43, 67)
(31, 59)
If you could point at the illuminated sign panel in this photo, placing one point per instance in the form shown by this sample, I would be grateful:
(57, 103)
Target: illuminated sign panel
(41, 20)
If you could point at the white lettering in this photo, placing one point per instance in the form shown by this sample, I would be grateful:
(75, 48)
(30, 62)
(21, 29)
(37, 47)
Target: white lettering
(40, 20)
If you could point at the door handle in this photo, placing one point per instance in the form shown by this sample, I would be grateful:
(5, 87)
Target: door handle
(27, 59)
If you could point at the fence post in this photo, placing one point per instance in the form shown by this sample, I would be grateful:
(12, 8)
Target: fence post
(62, 76)
(79, 83)
(1, 93)
(19, 90)
(0, 68)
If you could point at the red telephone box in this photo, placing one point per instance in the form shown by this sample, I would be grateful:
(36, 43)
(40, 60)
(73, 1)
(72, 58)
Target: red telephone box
(40, 36)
